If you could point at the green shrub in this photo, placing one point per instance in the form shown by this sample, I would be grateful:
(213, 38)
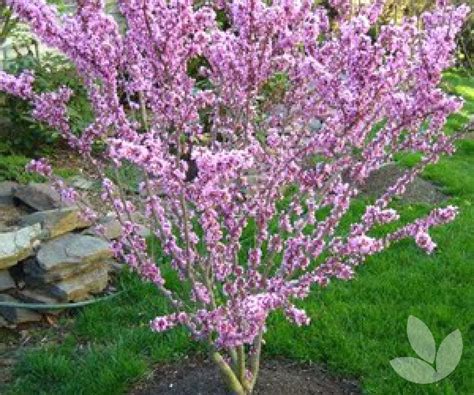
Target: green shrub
(12, 168)
(23, 134)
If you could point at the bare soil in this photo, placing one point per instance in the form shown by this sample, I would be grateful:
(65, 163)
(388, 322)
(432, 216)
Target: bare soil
(419, 191)
(277, 377)
(469, 136)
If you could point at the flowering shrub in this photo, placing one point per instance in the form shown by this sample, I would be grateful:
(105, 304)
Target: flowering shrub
(276, 84)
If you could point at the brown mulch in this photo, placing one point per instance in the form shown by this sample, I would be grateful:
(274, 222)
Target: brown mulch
(469, 136)
(419, 191)
(277, 377)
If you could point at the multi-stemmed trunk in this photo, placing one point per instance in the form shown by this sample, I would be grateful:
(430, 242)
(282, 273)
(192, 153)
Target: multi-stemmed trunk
(241, 375)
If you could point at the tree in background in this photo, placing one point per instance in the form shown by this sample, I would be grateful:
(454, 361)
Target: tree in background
(7, 21)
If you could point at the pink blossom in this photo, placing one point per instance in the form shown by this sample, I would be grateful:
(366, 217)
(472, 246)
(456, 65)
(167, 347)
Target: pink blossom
(21, 86)
(364, 245)
(297, 316)
(162, 324)
(40, 166)
(423, 240)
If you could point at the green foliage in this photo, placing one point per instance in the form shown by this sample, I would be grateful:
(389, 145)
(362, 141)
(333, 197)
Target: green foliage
(66, 173)
(7, 22)
(12, 168)
(23, 133)
(275, 87)
(128, 175)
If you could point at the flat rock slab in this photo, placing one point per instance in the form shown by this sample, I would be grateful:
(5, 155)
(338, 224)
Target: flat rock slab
(17, 315)
(82, 183)
(80, 287)
(37, 277)
(114, 267)
(39, 297)
(6, 281)
(41, 197)
(17, 245)
(36, 296)
(112, 229)
(57, 222)
(6, 192)
(72, 250)
(419, 191)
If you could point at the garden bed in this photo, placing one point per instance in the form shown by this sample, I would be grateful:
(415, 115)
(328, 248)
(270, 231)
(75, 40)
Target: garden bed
(277, 377)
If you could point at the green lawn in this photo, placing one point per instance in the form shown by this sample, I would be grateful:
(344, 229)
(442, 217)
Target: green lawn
(357, 327)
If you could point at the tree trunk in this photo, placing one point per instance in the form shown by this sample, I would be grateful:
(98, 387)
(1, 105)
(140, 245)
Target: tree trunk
(235, 376)
(229, 376)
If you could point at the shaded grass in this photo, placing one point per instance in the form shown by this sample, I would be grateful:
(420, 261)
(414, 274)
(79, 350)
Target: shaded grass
(357, 327)
(108, 347)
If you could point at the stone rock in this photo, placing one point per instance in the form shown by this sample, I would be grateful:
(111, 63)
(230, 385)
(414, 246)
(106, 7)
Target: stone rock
(113, 230)
(36, 296)
(115, 267)
(17, 315)
(6, 192)
(6, 281)
(35, 276)
(57, 222)
(10, 215)
(41, 197)
(65, 257)
(72, 250)
(39, 297)
(82, 183)
(80, 287)
(315, 125)
(18, 245)
(111, 226)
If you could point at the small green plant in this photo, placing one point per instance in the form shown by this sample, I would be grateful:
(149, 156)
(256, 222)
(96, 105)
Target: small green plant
(66, 173)
(12, 168)
(128, 174)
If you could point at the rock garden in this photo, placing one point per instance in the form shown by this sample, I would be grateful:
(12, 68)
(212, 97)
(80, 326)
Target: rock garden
(48, 255)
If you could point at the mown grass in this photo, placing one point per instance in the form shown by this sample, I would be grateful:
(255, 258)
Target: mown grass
(357, 327)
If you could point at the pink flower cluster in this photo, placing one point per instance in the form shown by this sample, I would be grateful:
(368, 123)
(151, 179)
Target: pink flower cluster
(40, 166)
(276, 85)
(21, 86)
(419, 229)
